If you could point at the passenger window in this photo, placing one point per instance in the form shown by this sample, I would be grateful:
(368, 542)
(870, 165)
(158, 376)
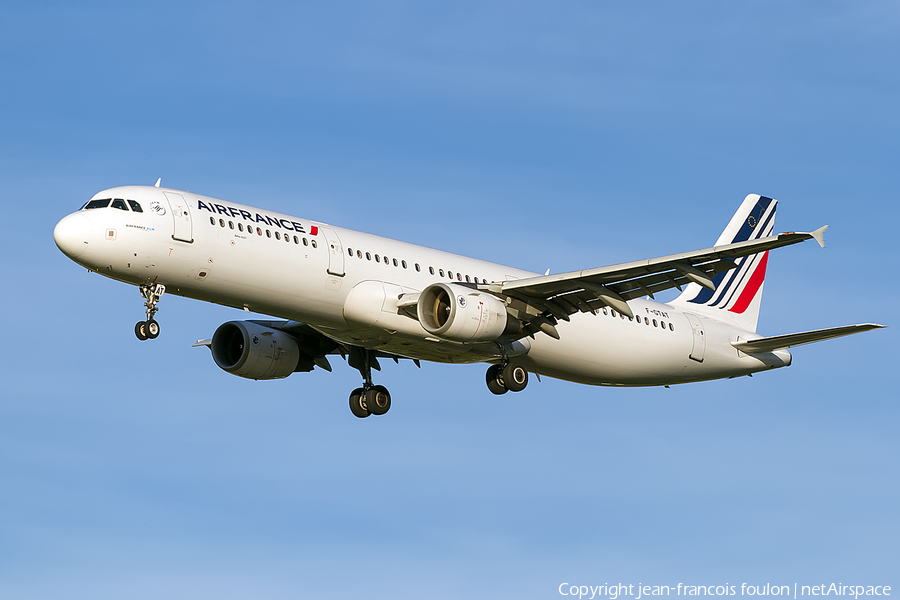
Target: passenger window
(222, 222)
(612, 312)
(358, 254)
(604, 312)
(350, 251)
(97, 204)
(671, 327)
(296, 240)
(212, 220)
(468, 280)
(403, 262)
(654, 322)
(376, 259)
(431, 270)
(268, 233)
(241, 227)
(230, 224)
(314, 244)
(646, 321)
(277, 236)
(135, 206)
(418, 268)
(395, 262)
(441, 271)
(368, 256)
(119, 203)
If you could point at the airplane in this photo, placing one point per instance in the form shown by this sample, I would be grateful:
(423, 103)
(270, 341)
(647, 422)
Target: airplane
(335, 291)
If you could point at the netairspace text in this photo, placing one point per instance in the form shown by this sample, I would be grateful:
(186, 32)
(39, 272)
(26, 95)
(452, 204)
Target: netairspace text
(639, 591)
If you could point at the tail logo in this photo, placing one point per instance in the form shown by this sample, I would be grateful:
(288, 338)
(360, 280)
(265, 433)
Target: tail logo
(735, 289)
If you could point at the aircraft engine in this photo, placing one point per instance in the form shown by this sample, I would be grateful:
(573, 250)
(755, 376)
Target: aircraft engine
(246, 349)
(458, 313)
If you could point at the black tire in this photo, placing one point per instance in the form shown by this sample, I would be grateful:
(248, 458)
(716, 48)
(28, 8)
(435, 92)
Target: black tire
(356, 404)
(515, 377)
(140, 330)
(378, 400)
(152, 329)
(495, 381)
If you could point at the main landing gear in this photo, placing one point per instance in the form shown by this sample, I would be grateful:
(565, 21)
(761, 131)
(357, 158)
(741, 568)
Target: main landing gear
(149, 329)
(368, 399)
(506, 377)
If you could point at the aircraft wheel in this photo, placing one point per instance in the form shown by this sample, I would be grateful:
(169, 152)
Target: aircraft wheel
(378, 400)
(357, 406)
(515, 377)
(152, 329)
(140, 330)
(494, 380)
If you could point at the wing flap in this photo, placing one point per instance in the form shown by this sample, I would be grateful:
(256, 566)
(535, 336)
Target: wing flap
(779, 342)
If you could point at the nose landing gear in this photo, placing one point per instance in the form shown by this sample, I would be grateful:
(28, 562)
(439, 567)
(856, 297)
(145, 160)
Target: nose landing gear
(149, 329)
(508, 377)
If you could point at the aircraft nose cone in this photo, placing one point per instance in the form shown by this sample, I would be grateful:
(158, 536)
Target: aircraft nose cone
(72, 234)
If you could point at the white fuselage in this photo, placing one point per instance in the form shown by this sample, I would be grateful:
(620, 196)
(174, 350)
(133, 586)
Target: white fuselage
(346, 284)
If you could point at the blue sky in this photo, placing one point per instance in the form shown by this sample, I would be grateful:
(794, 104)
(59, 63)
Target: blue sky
(545, 135)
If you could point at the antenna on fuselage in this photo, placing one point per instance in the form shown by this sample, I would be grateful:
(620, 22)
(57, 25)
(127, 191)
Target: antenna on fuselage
(158, 181)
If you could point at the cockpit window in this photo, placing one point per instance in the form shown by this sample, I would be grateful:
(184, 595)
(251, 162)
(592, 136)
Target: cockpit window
(135, 206)
(119, 203)
(97, 204)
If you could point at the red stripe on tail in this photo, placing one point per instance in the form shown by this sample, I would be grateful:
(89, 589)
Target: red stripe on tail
(749, 292)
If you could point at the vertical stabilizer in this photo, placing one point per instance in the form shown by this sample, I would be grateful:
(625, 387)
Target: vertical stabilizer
(738, 292)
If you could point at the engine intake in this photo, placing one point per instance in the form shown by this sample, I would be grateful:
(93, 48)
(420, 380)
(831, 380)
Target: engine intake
(458, 313)
(246, 349)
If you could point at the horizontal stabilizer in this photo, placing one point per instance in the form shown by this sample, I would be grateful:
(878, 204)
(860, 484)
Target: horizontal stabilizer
(778, 342)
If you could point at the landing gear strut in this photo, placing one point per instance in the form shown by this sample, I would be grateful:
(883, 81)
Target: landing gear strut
(149, 329)
(506, 377)
(368, 399)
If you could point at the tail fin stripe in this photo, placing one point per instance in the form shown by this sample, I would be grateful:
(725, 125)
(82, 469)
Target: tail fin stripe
(745, 267)
(746, 264)
(735, 290)
(748, 229)
(753, 286)
(738, 291)
(734, 274)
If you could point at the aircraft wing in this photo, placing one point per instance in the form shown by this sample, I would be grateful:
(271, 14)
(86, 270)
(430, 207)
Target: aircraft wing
(779, 342)
(540, 300)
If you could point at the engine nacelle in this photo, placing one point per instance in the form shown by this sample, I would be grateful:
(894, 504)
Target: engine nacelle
(461, 314)
(246, 349)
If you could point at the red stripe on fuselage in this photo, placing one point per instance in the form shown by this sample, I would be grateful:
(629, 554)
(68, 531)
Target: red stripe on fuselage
(753, 285)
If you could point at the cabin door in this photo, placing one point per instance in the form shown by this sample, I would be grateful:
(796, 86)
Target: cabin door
(182, 215)
(335, 252)
(698, 336)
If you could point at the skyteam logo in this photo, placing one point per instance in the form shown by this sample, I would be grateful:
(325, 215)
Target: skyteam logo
(157, 208)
